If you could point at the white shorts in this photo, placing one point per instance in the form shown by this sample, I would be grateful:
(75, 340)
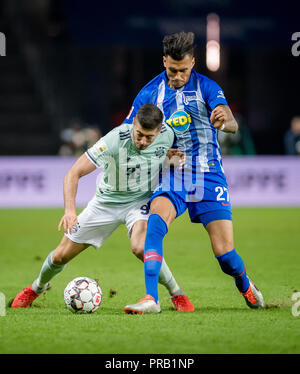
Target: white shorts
(98, 221)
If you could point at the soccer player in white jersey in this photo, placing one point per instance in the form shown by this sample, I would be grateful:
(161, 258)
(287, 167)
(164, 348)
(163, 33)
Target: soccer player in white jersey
(131, 156)
(195, 107)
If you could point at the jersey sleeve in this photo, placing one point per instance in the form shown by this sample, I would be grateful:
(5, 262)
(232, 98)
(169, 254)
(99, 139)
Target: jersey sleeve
(213, 94)
(171, 137)
(104, 148)
(143, 97)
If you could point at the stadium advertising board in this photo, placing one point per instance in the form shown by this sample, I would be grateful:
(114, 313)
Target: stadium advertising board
(253, 181)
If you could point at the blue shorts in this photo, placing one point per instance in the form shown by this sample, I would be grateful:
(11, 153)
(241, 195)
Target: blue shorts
(205, 195)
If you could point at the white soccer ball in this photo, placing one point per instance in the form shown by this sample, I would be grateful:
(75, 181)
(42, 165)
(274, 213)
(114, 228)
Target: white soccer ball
(83, 295)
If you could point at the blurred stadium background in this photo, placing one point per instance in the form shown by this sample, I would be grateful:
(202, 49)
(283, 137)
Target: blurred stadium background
(73, 68)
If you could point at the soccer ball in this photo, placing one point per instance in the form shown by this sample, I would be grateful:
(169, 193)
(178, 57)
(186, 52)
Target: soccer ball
(83, 295)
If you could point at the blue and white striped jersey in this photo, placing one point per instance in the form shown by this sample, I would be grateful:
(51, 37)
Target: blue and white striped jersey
(187, 111)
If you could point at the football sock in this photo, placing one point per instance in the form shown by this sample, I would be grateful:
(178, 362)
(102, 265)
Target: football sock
(167, 279)
(232, 264)
(153, 253)
(48, 271)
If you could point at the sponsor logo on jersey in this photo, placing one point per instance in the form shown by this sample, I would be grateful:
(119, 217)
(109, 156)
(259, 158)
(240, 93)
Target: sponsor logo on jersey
(179, 121)
(161, 102)
(221, 94)
(102, 147)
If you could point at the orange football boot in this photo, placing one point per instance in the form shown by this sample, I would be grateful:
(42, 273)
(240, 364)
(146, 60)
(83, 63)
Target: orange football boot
(26, 297)
(182, 303)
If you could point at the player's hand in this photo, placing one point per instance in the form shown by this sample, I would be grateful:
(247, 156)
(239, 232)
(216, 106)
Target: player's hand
(218, 117)
(69, 220)
(175, 157)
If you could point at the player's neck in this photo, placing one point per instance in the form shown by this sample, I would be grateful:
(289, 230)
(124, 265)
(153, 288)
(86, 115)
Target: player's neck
(174, 88)
(177, 88)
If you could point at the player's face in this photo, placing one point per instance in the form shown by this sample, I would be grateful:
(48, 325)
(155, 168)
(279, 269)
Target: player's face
(178, 72)
(143, 137)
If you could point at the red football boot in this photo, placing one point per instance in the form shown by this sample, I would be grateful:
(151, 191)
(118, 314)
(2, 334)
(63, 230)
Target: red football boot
(24, 298)
(182, 303)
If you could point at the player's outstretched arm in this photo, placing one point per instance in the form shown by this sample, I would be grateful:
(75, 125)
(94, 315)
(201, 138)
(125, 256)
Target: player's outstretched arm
(223, 119)
(82, 166)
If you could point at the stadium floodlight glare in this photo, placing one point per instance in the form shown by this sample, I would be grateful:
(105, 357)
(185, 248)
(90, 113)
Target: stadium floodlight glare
(213, 55)
(213, 42)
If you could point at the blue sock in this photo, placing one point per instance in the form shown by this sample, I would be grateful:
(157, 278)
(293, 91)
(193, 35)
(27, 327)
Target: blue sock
(232, 264)
(153, 253)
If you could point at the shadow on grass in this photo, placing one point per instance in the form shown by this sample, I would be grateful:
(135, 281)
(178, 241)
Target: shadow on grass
(268, 306)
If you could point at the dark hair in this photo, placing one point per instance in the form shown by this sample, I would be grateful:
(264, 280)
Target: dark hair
(178, 45)
(149, 116)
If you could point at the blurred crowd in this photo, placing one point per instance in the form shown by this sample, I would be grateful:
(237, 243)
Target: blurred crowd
(240, 143)
(77, 138)
(292, 137)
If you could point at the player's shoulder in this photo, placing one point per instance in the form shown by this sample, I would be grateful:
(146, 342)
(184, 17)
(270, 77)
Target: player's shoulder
(166, 129)
(124, 131)
(208, 86)
(204, 80)
(118, 135)
(166, 133)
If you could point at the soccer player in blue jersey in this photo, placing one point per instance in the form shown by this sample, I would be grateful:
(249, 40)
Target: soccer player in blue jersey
(195, 107)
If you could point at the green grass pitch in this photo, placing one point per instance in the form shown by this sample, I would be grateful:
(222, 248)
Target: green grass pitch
(267, 239)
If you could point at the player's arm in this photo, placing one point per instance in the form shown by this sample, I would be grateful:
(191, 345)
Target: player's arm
(175, 157)
(82, 166)
(223, 119)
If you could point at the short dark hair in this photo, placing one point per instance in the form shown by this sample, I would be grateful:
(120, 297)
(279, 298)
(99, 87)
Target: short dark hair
(150, 117)
(179, 45)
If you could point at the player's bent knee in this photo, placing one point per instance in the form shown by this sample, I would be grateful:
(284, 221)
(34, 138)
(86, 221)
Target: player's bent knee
(164, 208)
(138, 251)
(222, 249)
(221, 245)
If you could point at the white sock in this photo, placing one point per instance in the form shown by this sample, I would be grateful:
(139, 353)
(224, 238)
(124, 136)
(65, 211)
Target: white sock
(166, 278)
(48, 271)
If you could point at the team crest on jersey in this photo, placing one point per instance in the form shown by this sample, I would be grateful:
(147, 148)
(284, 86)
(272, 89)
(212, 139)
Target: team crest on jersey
(159, 152)
(179, 121)
(189, 96)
